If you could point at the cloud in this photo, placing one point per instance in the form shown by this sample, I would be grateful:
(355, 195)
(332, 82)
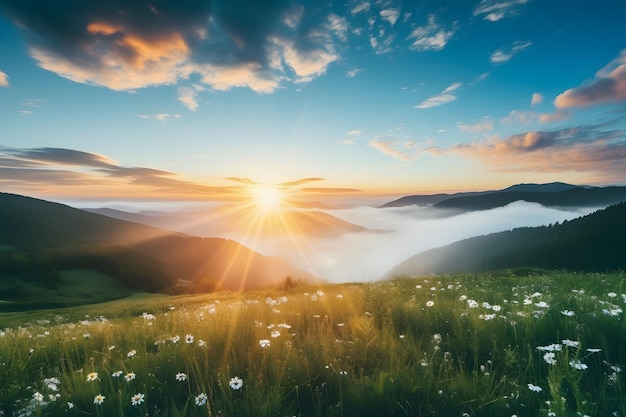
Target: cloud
(537, 98)
(500, 56)
(432, 37)
(160, 116)
(494, 10)
(519, 116)
(554, 117)
(390, 15)
(4, 79)
(188, 96)
(353, 72)
(609, 86)
(228, 43)
(483, 126)
(440, 99)
(361, 7)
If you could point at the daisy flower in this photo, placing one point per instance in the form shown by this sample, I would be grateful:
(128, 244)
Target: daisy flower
(549, 357)
(98, 399)
(578, 365)
(235, 383)
(264, 343)
(92, 376)
(136, 399)
(570, 343)
(430, 303)
(567, 313)
(201, 399)
(117, 374)
(181, 376)
(130, 376)
(131, 353)
(188, 338)
(534, 388)
(37, 396)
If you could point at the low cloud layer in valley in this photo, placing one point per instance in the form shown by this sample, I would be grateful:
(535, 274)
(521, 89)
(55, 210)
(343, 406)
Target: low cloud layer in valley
(394, 235)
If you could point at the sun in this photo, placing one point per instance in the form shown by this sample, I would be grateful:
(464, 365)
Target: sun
(268, 198)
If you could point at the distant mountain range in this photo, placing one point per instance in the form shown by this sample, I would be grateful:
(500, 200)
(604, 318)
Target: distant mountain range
(556, 194)
(41, 239)
(596, 242)
(232, 220)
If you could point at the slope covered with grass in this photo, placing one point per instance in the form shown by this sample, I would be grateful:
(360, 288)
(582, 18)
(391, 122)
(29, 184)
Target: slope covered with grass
(488, 345)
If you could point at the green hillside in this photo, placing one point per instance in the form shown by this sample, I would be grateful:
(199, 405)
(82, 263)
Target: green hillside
(42, 241)
(596, 242)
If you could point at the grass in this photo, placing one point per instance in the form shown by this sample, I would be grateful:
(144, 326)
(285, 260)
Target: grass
(461, 345)
(76, 287)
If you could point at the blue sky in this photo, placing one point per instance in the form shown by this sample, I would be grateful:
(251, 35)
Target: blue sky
(183, 99)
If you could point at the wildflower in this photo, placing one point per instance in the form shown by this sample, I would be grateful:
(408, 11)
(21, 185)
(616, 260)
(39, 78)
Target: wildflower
(111, 347)
(570, 343)
(188, 339)
(136, 399)
(201, 343)
(567, 313)
(542, 304)
(181, 376)
(401, 336)
(175, 339)
(264, 343)
(430, 303)
(86, 335)
(418, 286)
(576, 364)
(235, 383)
(201, 399)
(284, 326)
(496, 308)
(550, 348)
(130, 376)
(92, 376)
(437, 338)
(117, 374)
(594, 350)
(98, 399)
(549, 357)
(612, 295)
(527, 301)
(131, 353)
(534, 388)
(472, 303)
(52, 383)
(463, 298)
(37, 396)
(275, 333)
(70, 405)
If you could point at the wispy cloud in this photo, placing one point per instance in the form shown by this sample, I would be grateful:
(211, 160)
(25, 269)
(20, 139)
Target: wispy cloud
(440, 99)
(127, 46)
(160, 116)
(432, 37)
(519, 116)
(353, 72)
(501, 55)
(494, 10)
(361, 7)
(393, 148)
(609, 86)
(4, 79)
(70, 172)
(390, 15)
(188, 96)
(482, 126)
(557, 116)
(537, 98)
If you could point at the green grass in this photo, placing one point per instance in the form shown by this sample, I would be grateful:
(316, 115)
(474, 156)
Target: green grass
(443, 345)
(76, 287)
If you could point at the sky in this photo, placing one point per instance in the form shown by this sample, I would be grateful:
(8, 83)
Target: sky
(202, 99)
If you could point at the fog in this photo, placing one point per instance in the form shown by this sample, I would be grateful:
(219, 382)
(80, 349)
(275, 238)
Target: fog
(399, 233)
(394, 235)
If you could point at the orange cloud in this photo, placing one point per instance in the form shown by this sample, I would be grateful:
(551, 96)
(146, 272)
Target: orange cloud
(608, 87)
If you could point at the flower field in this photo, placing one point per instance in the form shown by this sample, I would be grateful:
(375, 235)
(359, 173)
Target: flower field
(460, 345)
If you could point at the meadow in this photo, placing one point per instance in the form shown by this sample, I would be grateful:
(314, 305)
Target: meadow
(500, 344)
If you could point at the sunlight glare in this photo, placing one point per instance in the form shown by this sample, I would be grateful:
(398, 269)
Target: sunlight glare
(268, 198)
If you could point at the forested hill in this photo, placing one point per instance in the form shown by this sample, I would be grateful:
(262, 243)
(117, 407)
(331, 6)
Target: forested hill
(40, 239)
(596, 242)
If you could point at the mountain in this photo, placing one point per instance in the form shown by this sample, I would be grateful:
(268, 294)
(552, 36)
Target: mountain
(596, 242)
(41, 241)
(556, 194)
(234, 220)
